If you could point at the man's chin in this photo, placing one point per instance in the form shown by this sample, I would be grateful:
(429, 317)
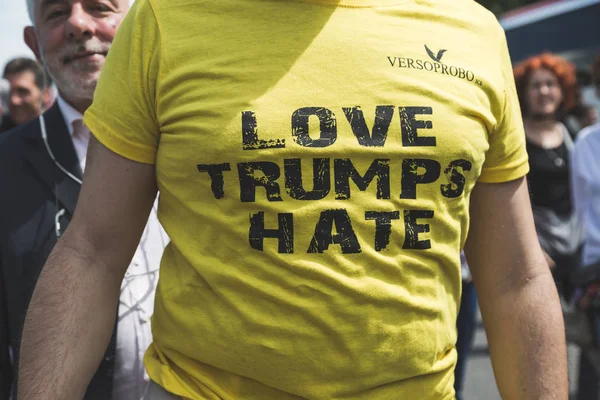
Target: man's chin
(77, 88)
(83, 70)
(23, 118)
(82, 78)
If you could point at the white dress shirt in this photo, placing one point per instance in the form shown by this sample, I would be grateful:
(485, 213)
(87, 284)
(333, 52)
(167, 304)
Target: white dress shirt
(136, 302)
(81, 139)
(585, 170)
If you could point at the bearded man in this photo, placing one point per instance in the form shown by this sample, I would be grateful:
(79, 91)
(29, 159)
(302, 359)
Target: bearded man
(41, 168)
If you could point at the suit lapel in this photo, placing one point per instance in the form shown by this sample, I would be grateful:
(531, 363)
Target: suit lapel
(64, 188)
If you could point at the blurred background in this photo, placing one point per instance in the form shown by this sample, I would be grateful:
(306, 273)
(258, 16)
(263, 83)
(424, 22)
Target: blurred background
(13, 17)
(568, 28)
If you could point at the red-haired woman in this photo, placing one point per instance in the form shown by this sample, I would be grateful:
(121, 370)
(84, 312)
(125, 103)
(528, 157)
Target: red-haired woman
(546, 85)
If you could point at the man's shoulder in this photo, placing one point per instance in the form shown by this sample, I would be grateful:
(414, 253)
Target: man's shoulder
(14, 143)
(6, 124)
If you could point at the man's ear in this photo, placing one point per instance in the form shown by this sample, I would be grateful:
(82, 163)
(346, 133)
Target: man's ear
(48, 98)
(32, 41)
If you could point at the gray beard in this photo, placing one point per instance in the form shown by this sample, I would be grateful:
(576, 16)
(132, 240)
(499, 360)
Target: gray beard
(70, 88)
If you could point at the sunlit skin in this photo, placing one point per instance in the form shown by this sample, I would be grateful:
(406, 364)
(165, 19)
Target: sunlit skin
(25, 98)
(72, 38)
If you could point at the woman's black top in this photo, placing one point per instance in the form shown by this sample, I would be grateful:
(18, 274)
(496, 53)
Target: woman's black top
(549, 177)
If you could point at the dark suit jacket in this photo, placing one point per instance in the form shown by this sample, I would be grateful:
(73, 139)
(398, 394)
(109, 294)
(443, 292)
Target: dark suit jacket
(6, 123)
(32, 191)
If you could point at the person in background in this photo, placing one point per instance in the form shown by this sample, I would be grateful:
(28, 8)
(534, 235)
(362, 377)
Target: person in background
(581, 114)
(465, 326)
(546, 85)
(585, 114)
(41, 178)
(585, 170)
(4, 93)
(28, 94)
(596, 75)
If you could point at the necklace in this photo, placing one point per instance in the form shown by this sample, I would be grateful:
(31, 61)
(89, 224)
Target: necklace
(551, 152)
(556, 159)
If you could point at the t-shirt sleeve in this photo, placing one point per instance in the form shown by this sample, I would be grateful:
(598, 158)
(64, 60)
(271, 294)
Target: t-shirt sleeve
(123, 115)
(506, 158)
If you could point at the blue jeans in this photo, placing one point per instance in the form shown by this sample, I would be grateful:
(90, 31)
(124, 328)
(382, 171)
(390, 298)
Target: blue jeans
(465, 325)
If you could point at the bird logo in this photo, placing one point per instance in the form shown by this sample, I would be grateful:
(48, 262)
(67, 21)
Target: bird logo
(438, 57)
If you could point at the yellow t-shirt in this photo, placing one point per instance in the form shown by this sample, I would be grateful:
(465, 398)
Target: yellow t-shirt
(315, 161)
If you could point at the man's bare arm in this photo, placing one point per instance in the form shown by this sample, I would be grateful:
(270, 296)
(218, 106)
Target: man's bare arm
(517, 294)
(74, 305)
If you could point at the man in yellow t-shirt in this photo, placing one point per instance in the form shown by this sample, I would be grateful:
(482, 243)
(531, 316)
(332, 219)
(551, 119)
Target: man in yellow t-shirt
(320, 164)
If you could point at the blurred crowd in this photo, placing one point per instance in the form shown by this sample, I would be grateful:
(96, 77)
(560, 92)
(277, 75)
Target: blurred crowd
(563, 139)
(42, 161)
(563, 144)
(25, 91)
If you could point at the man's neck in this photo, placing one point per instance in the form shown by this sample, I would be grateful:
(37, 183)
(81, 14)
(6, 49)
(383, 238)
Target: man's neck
(80, 105)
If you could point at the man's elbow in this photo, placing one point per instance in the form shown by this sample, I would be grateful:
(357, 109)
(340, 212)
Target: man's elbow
(82, 245)
(519, 274)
